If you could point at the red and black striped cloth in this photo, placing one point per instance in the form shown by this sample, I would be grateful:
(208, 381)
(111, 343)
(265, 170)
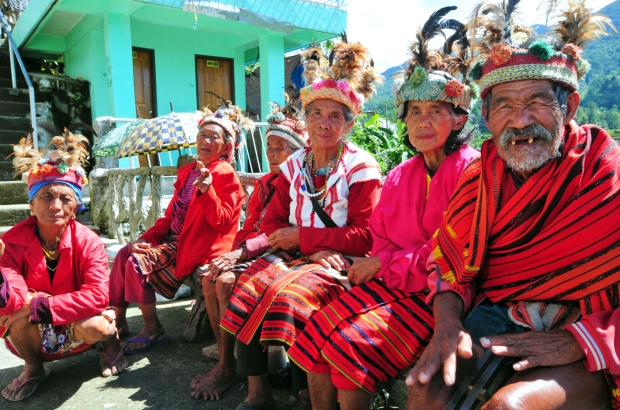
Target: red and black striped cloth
(159, 263)
(556, 239)
(369, 334)
(277, 295)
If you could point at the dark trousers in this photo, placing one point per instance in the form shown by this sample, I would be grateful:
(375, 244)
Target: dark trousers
(253, 360)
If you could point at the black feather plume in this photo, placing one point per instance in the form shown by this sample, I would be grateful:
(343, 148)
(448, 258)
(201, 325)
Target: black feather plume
(433, 24)
(432, 27)
(459, 36)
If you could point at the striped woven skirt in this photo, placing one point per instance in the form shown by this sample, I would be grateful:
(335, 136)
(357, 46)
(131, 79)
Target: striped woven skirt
(367, 336)
(159, 264)
(277, 295)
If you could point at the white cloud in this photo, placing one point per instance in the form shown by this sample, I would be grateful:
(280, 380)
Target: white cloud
(388, 27)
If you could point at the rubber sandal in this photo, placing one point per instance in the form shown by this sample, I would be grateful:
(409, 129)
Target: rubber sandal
(150, 342)
(105, 356)
(38, 380)
(270, 405)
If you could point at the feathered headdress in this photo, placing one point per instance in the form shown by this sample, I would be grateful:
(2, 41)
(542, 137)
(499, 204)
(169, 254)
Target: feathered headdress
(314, 63)
(231, 119)
(437, 74)
(63, 163)
(504, 47)
(351, 78)
(288, 123)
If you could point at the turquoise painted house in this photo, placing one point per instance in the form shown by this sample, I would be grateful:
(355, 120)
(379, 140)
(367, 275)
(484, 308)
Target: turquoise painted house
(139, 55)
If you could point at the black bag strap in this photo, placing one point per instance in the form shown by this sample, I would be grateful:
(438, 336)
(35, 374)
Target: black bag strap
(269, 196)
(326, 219)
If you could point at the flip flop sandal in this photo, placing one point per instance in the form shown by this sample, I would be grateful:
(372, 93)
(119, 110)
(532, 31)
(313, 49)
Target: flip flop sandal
(270, 405)
(20, 385)
(105, 356)
(150, 342)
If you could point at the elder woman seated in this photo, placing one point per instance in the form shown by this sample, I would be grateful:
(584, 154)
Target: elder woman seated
(319, 213)
(199, 224)
(285, 135)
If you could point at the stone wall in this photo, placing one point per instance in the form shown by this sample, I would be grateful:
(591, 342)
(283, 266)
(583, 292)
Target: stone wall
(60, 101)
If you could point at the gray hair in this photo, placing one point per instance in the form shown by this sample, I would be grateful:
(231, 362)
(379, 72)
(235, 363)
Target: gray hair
(348, 114)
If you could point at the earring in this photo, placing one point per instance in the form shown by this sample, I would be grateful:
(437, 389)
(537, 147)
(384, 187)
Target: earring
(72, 216)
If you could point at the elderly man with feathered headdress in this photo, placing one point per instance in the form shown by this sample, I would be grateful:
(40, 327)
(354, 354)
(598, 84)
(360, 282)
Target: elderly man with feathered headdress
(54, 270)
(526, 260)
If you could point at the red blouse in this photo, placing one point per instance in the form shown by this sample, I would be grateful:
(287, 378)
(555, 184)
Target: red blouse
(352, 239)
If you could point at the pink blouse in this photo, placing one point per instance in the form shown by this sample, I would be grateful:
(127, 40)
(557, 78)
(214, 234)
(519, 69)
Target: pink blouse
(407, 216)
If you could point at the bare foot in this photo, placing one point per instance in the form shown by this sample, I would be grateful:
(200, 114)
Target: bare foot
(25, 385)
(113, 360)
(211, 385)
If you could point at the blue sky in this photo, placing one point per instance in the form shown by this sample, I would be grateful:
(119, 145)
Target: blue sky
(388, 30)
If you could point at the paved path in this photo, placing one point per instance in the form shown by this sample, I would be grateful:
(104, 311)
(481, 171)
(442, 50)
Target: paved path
(155, 380)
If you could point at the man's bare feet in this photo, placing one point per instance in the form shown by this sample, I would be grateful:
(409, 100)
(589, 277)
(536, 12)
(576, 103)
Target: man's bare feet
(25, 385)
(113, 360)
(211, 385)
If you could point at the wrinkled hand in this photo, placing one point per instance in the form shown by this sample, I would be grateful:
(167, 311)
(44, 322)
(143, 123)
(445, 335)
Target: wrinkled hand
(364, 269)
(225, 262)
(23, 313)
(330, 259)
(204, 181)
(140, 246)
(552, 348)
(285, 238)
(449, 340)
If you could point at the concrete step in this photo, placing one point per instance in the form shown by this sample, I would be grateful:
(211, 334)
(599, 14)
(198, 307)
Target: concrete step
(14, 109)
(7, 82)
(12, 214)
(6, 172)
(13, 192)
(5, 70)
(11, 137)
(14, 124)
(15, 95)
(5, 151)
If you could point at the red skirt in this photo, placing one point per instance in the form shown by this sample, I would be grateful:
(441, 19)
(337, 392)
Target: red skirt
(369, 335)
(158, 263)
(278, 294)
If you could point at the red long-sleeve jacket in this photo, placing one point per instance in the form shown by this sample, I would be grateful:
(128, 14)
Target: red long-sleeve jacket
(212, 218)
(80, 287)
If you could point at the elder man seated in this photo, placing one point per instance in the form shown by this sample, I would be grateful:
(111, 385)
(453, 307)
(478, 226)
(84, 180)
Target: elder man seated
(533, 228)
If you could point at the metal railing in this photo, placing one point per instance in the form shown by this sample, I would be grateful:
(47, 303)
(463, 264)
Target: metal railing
(14, 53)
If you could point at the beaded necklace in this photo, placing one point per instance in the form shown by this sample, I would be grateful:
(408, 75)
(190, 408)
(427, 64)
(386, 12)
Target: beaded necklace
(309, 172)
(51, 255)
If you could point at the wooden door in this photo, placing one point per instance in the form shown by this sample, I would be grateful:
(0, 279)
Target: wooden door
(144, 86)
(215, 75)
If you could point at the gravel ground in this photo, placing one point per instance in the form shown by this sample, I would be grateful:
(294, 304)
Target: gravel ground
(158, 379)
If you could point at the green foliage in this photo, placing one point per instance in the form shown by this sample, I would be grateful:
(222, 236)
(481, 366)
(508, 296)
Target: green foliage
(383, 143)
